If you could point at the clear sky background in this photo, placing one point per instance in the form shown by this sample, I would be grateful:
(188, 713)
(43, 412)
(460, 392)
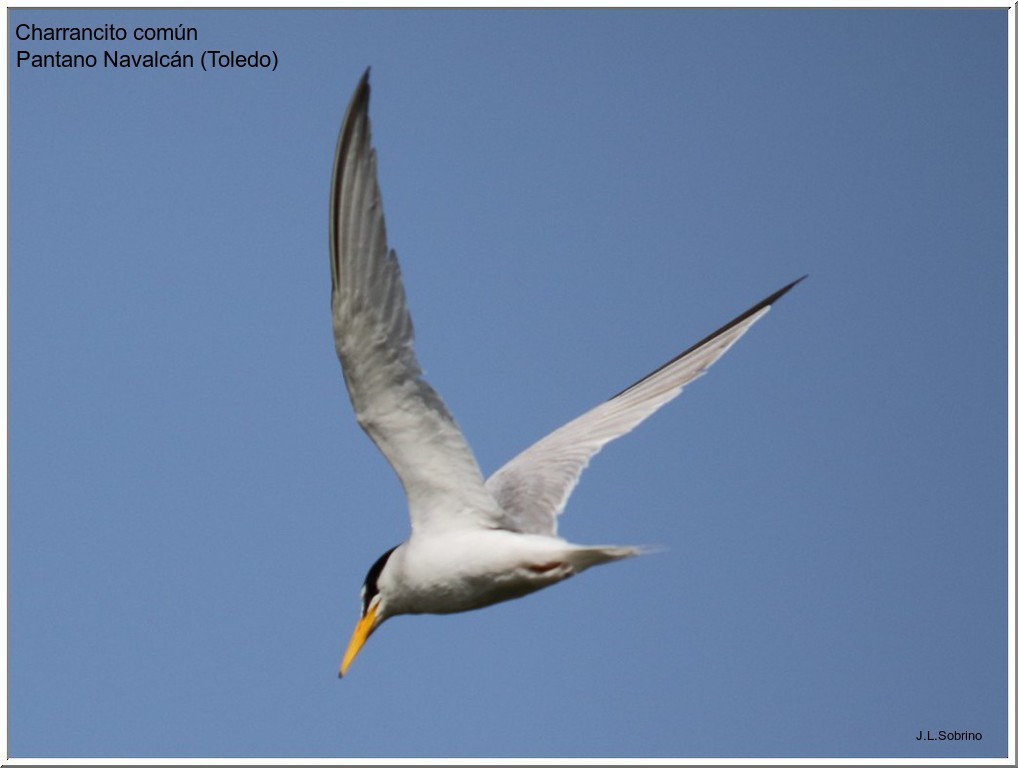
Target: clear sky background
(575, 197)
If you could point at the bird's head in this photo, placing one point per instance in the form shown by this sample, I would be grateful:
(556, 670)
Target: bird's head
(373, 610)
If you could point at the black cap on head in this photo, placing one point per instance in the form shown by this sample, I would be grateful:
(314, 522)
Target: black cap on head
(370, 588)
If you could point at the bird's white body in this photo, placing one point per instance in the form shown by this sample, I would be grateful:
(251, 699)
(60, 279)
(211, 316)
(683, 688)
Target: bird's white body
(475, 542)
(473, 568)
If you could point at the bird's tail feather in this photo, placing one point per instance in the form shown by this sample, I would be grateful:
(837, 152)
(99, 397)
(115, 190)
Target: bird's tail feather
(586, 557)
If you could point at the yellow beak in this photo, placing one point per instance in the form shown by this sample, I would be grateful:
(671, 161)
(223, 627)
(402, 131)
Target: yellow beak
(361, 633)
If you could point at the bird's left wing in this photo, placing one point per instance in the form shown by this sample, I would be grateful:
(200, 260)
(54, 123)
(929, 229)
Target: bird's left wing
(532, 489)
(397, 408)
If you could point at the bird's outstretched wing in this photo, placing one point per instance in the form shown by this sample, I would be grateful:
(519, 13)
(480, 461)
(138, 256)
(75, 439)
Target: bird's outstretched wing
(397, 408)
(533, 488)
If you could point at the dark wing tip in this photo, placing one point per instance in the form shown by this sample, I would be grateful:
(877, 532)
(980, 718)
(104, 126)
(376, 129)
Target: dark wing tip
(356, 114)
(748, 313)
(361, 97)
(776, 295)
(363, 84)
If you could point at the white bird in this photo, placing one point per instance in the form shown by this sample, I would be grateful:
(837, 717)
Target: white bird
(473, 542)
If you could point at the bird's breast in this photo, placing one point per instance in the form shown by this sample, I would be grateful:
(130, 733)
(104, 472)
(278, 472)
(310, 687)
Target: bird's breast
(469, 570)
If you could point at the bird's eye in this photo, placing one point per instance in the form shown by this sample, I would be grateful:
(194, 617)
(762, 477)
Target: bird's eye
(367, 600)
(369, 592)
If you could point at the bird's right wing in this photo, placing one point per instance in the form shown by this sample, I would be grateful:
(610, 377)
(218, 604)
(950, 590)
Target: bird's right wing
(397, 408)
(533, 488)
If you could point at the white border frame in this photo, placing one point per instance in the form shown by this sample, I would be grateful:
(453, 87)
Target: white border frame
(454, 4)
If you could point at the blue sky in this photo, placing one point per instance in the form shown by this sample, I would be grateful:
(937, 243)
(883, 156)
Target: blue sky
(575, 197)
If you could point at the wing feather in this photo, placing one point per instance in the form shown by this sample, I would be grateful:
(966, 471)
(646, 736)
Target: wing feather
(374, 336)
(533, 488)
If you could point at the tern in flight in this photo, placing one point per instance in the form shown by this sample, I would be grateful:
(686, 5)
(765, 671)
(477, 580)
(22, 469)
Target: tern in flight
(473, 542)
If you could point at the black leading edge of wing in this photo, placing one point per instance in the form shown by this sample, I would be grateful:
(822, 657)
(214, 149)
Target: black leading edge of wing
(748, 313)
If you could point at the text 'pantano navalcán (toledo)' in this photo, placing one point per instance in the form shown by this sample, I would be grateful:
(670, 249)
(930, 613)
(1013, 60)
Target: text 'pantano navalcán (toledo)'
(128, 49)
